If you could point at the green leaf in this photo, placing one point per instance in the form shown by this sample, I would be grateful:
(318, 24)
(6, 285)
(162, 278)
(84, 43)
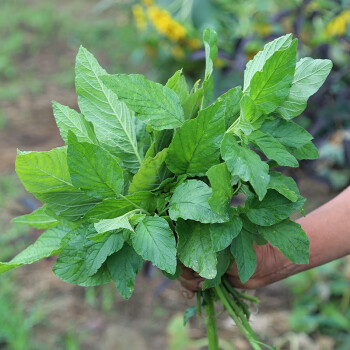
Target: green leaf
(155, 241)
(123, 267)
(253, 230)
(220, 181)
(143, 137)
(69, 206)
(243, 251)
(44, 172)
(250, 115)
(190, 201)
(81, 259)
(271, 86)
(151, 174)
(211, 51)
(97, 252)
(309, 76)
(229, 104)
(307, 151)
(272, 209)
(192, 104)
(287, 133)
(46, 176)
(155, 104)
(178, 84)
(171, 183)
(210, 40)
(290, 239)
(68, 119)
(113, 123)
(285, 185)
(196, 145)
(161, 140)
(48, 244)
(116, 224)
(224, 262)
(246, 164)
(112, 208)
(93, 169)
(189, 312)
(259, 60)
(273, 149)
(38, 219)
(223, 234)
(195, 248)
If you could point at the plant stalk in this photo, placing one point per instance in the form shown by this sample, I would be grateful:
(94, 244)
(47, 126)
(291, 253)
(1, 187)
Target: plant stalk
(210, 320)
(238, 311)
(241, 295)
(250, 337)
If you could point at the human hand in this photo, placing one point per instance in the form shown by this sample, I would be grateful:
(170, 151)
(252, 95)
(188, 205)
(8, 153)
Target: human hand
(190, 281)
(271, 265)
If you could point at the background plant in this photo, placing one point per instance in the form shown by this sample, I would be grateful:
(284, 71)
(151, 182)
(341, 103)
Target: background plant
(322, 302)
(324, 32)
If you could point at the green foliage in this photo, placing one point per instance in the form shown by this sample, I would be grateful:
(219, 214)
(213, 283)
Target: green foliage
(113, 122)
(246, 164)
(154, 240)
(190, 202)
(123, 267)
(114, 205)
(153, 103)
(196, 146)
(321, 303)
(38, 218)
(195, 248)
(308, 78)
(101, 193)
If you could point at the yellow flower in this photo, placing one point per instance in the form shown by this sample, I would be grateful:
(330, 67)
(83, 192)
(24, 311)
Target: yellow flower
(178, 52)
(220, 63)
(140, 17)
(313, 6)
(337, 26)
(165, 24)
(263, 29)
(148, 2)
(194, 43)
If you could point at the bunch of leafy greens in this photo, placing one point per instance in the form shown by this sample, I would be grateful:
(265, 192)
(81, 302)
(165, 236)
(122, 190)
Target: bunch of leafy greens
(148, 173)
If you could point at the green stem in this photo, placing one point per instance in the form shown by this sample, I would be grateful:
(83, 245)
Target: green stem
(237, 297)
(241, 295)
(233, 126)
(210, 320)
(135, 205)
(164, 211)
(239, 313)
(236, 319)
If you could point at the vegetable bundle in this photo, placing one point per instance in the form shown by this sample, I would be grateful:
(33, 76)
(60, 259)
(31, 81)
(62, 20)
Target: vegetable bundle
(148, 173)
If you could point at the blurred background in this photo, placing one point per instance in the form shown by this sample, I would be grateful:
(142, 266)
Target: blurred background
(39, 40)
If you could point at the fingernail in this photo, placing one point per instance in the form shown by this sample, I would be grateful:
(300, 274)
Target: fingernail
(185, 294)
(200, 285)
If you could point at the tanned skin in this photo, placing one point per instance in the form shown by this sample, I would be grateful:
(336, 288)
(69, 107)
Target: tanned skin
(328, 229)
